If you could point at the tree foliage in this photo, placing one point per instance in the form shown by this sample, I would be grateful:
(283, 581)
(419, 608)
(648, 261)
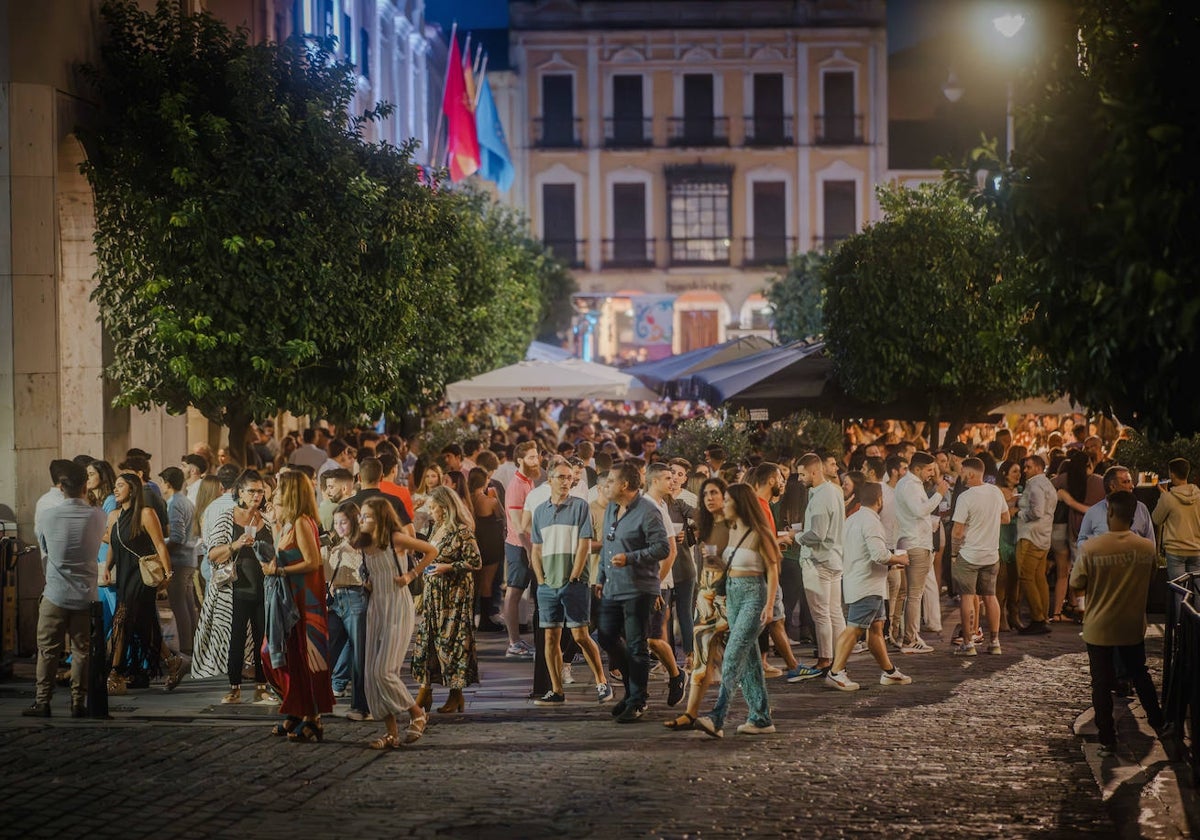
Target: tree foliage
(1103, 206)
(916, 309)
(256, 253)
(689, 438)
(801, 433)
(798, 298)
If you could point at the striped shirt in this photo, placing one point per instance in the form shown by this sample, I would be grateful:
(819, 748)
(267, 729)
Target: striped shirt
(558, 530)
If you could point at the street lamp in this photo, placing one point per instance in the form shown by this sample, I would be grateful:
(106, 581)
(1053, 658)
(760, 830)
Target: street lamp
(1009, 25)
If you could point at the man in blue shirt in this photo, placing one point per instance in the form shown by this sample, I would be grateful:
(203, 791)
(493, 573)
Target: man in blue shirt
(72, 532)
(633, 541)
(1095, 521)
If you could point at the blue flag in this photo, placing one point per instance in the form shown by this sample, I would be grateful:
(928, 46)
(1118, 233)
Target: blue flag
(495, 163)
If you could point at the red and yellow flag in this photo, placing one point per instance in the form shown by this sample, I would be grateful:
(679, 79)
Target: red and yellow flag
(458, 106)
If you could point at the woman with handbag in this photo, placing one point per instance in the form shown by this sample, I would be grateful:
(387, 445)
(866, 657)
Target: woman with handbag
(711, 623)
(391, 618)
(444, 651)
(236, 566)
(303, 680)
(347, 606)
(752, 573)
(428, 477)
(210, 645)
(100, 481)
(139, 564)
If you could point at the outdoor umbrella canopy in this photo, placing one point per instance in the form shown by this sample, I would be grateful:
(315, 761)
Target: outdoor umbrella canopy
(663, 374)
(571, 379)
(719, 383)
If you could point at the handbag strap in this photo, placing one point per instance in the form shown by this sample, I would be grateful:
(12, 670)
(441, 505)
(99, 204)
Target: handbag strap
(729, 564)
(395, 559)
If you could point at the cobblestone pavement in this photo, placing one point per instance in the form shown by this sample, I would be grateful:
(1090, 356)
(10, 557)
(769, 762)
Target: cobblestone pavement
(978, 747)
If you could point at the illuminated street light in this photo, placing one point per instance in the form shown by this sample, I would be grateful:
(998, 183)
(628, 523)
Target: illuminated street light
(1009, 25)
(952, 90)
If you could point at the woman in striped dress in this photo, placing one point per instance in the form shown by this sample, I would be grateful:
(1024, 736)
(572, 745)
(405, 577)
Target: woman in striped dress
(390, 618)
(210, 645)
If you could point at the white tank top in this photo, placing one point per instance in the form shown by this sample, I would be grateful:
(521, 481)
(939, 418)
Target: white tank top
(745, 556)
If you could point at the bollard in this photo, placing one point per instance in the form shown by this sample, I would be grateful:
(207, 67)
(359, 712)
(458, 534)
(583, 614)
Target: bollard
(97, 689)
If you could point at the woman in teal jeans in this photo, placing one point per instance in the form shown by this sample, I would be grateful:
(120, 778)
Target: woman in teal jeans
(753, 560)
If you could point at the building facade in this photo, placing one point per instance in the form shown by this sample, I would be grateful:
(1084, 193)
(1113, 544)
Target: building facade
(687, 150)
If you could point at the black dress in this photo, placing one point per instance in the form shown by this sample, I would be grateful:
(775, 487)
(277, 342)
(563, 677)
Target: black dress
(136, 636)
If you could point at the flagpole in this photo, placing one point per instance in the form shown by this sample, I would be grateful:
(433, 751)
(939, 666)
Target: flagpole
(479, 75)
(435, 149)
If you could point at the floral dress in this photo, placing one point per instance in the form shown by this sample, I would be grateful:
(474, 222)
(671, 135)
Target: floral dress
(444, 651)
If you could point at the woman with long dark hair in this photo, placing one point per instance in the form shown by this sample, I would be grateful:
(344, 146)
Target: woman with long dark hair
(1078, 489)
(753, 560)
(137, 644)
(347, 605)
(1008, 584)
(489, 535)
(100, 481)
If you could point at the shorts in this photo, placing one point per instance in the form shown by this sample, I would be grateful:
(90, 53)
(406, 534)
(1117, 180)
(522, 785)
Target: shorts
(1059, 537)
(517, 571)
(654, 628)
(865, 611)
(569, 605)
(974, 580)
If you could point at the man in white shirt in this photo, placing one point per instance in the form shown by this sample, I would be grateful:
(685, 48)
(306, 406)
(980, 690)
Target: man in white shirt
(975, 553)
(1035, 521)
(308, 453)
(821, 560)
(194, 468)
(866, 560)
(59, 469)
(659, 484)
(895, 468)
(913, 509)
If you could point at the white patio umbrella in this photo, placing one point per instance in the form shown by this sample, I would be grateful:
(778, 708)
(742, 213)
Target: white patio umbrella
(571, 379)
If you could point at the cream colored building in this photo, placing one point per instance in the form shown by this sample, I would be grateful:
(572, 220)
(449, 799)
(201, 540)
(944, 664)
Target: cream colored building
(54, 401)
(688, 148)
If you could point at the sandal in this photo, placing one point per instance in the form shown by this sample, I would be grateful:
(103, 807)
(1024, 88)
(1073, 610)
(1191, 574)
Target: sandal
(683, 722)
(1058, 618)
(307, 732)
(416, 728)
(287, 727)
(387, 742)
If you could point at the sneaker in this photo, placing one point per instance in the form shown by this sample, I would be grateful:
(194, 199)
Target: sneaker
(604, 693)
(918, 646)
(1105, 750)
(965, 650)
(894, 678)
(893, 645)
(578, 659)
(977, 639)
(841, 682)
(619, 708)
(1034, 628)
(706, 725)
(771, 672)
(675, 688)
(956, 638)
(803, 672)
(632, 714)
(749, 728)
(342, 693)
(518, 650)
(36, 710)
(550, 698)
(567, 677)
(994, 647)
(861, 647)
(357, 716)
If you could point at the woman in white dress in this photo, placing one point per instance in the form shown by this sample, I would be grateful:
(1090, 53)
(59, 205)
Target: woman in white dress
(391, 618)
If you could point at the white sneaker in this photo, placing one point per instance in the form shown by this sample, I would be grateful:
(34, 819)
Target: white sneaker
(994, 647)
(749, 728)
(860, 647)
(567, 677)
(918, 646)
(894, 678)
(841, 682)
(965, 650)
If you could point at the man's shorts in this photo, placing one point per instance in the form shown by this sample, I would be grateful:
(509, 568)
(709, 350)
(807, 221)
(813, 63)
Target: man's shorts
(570, 605)
(865, 611)
(654, 628)
(517, 572)
(974, 580)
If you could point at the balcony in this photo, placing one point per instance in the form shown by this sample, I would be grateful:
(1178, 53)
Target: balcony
(765, 131)
(570, 251)
(767, 250)
(839, 129)
(628, 132)
(627, 253)
(698, 131)
(557, 132)
(696, 251)
(826, 244)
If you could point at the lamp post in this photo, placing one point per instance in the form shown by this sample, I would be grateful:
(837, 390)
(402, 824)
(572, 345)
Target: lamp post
(1008, 25)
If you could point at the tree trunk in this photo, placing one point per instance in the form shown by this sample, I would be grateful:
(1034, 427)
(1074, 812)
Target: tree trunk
(239, 424)
(953, 430)
(933, 433)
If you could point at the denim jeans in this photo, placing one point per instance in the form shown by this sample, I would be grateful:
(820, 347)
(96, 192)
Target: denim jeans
(744, 602)
(684, 604)
(622, 634)
(348, 642)
(1178, 565)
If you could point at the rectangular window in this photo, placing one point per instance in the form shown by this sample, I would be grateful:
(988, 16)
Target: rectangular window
(699, 214)
(768, 122)
(839, 124)
(769, 245)
(558, 222)
(698, 109)
(628, 123)
(558, 110)
(629, 246)
(364, 53)
(840, 211)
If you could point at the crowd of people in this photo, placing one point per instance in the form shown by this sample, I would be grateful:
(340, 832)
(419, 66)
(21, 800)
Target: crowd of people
(336, 557)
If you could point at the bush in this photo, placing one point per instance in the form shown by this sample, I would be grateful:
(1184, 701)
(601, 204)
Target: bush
(1141, 455)
(800, 433)
(440, 433)
(690, 438)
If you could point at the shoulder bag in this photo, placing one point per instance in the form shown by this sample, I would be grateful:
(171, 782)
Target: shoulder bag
(152, 569)
(416, 587)
(721, 585)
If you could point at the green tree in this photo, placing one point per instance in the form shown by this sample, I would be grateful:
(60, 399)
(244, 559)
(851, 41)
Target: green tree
(798, 297)
(1104, 209)
(916, 309)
